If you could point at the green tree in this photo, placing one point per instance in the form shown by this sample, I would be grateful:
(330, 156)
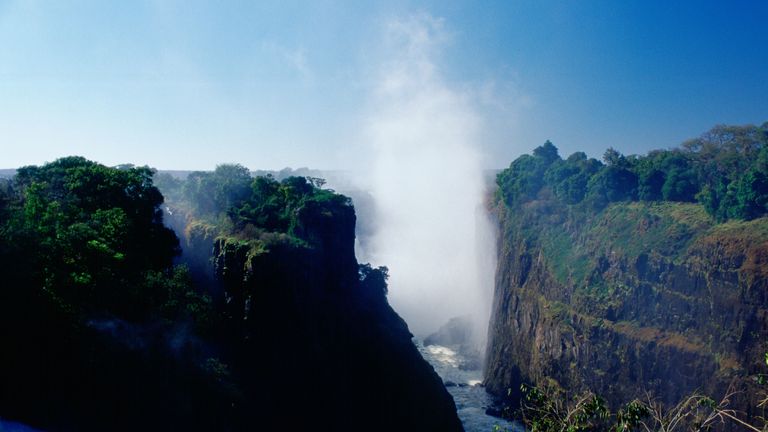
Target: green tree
(650, 184)
(612, 157)
(568, 179)
(212, 193)
(546, 153)
(95, 231)
(525, 176)
(751, 196)
(611, 184)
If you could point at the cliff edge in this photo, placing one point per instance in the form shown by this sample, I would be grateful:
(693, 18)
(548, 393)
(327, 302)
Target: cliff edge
(603, 290)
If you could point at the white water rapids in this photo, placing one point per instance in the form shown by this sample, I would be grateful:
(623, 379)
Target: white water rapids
(464, 383)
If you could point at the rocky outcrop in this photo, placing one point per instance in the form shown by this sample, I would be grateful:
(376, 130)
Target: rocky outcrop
(637, 299)
(459, 334)
(310, 341)
(457, 331)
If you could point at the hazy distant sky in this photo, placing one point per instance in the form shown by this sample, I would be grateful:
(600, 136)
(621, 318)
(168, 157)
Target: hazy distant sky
(269, 84)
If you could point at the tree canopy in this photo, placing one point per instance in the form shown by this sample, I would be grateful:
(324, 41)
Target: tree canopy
(725, 169)
(90, 232)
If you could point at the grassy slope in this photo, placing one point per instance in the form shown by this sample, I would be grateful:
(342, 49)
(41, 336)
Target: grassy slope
(574, 242)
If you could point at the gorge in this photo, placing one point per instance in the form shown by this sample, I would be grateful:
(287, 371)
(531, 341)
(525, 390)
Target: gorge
(384, 216)
(634, 278)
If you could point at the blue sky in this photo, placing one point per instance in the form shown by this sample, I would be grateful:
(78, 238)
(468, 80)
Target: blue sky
(187, 85)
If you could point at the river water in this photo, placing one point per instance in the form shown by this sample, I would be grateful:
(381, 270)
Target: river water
(463, 379)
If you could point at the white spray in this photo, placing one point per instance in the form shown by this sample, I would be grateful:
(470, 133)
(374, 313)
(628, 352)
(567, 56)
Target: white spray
(427, 181)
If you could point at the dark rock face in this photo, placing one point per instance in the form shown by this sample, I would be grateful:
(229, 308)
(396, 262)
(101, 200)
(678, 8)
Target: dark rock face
(273, 326)
(311, 346)
(668, 324)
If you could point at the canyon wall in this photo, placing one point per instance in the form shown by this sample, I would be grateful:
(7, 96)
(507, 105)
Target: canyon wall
(308, 333)
(636, 299)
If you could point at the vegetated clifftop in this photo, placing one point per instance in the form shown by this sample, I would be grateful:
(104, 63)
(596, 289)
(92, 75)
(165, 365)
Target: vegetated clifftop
(628, 298)
(683, 309)
(309, 338)
(270, 325)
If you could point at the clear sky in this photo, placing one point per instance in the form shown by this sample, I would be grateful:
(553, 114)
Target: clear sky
(269, 84)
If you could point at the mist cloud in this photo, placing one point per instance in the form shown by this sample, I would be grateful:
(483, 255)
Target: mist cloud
(427, 181)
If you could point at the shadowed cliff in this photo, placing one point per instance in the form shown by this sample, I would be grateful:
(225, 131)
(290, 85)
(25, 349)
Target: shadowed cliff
(265, 321)
(303, 319)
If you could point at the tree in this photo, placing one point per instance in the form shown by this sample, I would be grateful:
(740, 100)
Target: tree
(546, 153)
(525, 176)
(679, 185)
(169, 185)
(548, 410)
(522, 180)
(232, 185)
(650, 184)
(95, 230)
(751, 196)
(680, 180)
(568, 179)
(725, 170)
(612, 157)
(611, 184)
(212, 193)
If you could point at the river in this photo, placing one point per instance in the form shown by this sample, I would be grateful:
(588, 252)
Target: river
(463, 379)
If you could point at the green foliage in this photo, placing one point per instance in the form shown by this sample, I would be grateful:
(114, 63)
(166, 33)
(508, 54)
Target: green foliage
(569, 178)
(548, 410)
(680, 185)
(175, 298)
(170, 186)
(211, 192)
(272, 205)
(94, 314)
(236, 202)
(229, 202)
(636, 228)
(725, 170)
(650, 182)
(611, 184)
(100, 328)
(278, 206)
(751, 193)
(612, 157)
(631, 416)
(525, 177)
(546, 153)
(90, 232)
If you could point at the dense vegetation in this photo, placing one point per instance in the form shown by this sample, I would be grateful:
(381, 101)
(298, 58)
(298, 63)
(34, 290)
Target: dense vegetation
(549, 409)
(106, 324)
(726, 170)
(83, 252)
(244, 202)
(309, 332)
(615, 276)
(91, 307)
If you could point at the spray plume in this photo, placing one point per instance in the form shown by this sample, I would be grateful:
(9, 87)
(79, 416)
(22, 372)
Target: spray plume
(426, 177)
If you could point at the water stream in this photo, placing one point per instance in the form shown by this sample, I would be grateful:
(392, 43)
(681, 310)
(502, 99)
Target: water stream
(463, 378)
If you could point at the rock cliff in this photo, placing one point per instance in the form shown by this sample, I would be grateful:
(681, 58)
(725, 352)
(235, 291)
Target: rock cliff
(636, 298)
(308, 334)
